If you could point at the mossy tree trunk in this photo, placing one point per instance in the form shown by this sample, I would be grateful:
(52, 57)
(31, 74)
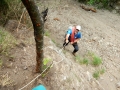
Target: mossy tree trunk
(38, 25)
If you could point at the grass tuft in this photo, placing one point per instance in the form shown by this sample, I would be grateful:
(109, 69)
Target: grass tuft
(7, 41)
(96, 61)
(102, 71)
(96, 75)
(47, 33)
(85, 61)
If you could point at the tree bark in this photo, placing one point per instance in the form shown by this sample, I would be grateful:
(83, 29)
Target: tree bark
(38, 25)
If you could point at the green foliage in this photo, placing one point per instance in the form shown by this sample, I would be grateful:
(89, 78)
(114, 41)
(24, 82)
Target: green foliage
(96, 61)
(91, 2)
(97, 73)
(45, 62)
(102, 71)
(90, 58)
(100, 3)
(85, 61)
(47, 33)
(90, 55)
(6, 41)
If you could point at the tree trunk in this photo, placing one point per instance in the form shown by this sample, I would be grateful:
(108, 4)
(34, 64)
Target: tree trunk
(38, 25)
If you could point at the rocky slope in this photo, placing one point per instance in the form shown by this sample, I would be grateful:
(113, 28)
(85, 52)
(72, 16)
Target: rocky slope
(100, 35)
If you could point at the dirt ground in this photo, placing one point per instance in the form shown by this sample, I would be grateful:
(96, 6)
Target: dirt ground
(100, 35)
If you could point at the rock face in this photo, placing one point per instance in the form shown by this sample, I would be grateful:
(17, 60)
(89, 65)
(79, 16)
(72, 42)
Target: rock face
(100, 35)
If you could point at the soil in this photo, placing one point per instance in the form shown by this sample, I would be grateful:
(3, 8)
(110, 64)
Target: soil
(100, 35)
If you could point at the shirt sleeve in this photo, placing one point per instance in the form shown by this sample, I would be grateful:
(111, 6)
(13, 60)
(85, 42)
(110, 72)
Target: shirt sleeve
(69, 31)
(79, 35)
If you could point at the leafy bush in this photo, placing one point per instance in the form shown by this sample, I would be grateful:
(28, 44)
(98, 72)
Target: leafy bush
(100, 3)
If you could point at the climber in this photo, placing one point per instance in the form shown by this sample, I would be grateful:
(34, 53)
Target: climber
(73, 35)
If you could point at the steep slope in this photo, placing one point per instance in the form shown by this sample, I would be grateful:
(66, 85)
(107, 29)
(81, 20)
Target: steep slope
(100, 35)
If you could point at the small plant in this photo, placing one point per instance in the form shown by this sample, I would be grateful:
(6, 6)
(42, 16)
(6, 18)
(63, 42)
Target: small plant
(85, 61)
(45, 64)
(47, 33)
(96, 61)
(96, 74)
(102, 71)
(91, 58)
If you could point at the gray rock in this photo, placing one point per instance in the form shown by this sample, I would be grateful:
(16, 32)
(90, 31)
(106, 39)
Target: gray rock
(25, 68)
(118, 85)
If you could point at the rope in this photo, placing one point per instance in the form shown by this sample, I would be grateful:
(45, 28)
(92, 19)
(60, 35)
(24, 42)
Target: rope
(44, 70)
(35, 78)
(63, 57)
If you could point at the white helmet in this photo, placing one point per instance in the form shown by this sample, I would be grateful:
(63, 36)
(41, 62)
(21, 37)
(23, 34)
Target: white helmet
(70, 27)
(78, 27)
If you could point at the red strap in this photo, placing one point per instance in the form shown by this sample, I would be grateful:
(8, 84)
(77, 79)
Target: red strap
(72, 35)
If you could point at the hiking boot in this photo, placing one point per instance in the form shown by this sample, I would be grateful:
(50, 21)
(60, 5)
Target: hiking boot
(73, 53)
